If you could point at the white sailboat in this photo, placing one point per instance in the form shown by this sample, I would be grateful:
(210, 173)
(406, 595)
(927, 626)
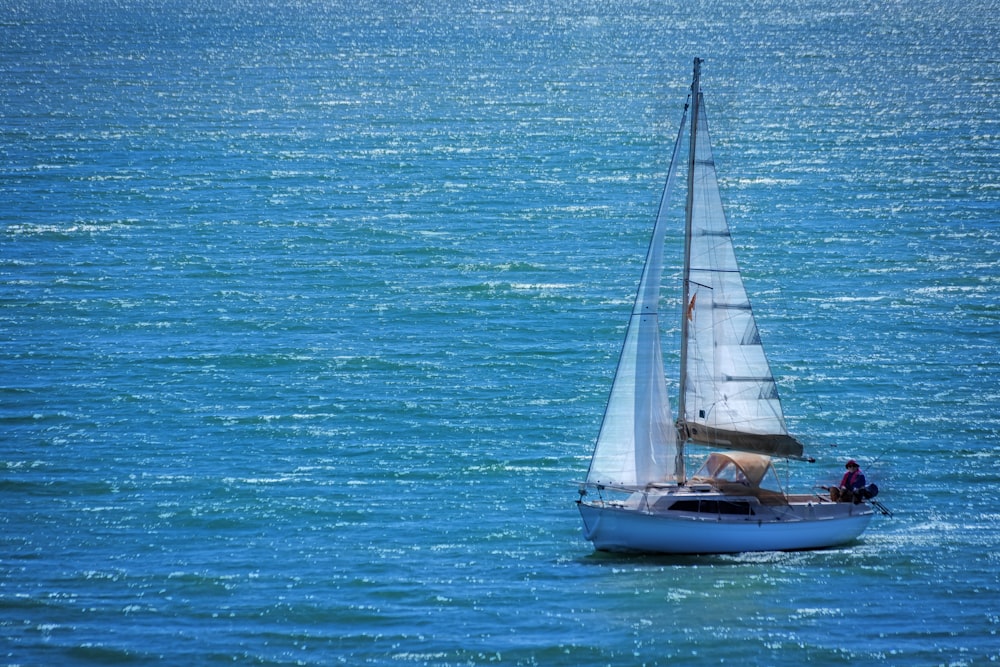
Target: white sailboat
(637, 495)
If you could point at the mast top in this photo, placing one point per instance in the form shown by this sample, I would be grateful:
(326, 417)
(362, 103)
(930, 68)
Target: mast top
(695, 87)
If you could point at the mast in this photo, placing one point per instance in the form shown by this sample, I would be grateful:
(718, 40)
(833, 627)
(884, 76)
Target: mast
(679, 473)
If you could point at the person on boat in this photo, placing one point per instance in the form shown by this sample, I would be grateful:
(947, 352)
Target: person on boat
(852, 485)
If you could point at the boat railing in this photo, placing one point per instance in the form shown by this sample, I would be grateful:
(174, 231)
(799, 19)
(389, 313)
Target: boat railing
(626, 488)
(622, 495)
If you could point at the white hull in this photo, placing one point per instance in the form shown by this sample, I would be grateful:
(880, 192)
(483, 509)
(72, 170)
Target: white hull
(636, 525)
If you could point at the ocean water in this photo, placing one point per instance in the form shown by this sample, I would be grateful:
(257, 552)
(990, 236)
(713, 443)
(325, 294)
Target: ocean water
(309, 311)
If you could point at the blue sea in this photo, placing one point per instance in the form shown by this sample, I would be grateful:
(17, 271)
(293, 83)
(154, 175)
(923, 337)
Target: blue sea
(309, 311)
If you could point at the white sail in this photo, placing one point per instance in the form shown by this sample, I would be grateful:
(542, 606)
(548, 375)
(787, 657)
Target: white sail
(637, 444)
(731, 399)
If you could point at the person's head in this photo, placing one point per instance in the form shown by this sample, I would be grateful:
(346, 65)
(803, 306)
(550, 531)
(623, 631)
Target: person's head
(852, 465)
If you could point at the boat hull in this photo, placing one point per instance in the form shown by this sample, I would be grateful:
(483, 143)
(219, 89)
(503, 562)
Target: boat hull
(632, 528)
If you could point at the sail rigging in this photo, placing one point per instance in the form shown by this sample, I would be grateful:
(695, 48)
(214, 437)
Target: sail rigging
(728, 394)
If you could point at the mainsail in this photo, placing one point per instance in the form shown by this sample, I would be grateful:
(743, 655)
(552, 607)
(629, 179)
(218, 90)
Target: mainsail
(637, 444)
(730, 398)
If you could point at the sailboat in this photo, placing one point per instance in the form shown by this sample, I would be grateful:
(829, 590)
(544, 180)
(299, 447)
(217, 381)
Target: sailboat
(637, 496)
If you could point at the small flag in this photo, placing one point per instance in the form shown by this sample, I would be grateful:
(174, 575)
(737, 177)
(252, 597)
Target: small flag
(690, 308)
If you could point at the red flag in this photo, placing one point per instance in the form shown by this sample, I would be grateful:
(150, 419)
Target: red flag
(690, 308)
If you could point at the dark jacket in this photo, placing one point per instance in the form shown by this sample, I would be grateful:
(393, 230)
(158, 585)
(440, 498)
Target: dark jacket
(853, 480)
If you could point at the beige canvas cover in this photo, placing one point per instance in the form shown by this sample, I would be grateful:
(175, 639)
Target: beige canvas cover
(740, 467)
(740, 474)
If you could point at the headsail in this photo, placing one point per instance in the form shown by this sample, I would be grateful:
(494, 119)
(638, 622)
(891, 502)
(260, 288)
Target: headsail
(730, 398)
(637, 443)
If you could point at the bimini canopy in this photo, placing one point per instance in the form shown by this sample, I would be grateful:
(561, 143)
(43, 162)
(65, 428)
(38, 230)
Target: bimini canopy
(740, 467)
